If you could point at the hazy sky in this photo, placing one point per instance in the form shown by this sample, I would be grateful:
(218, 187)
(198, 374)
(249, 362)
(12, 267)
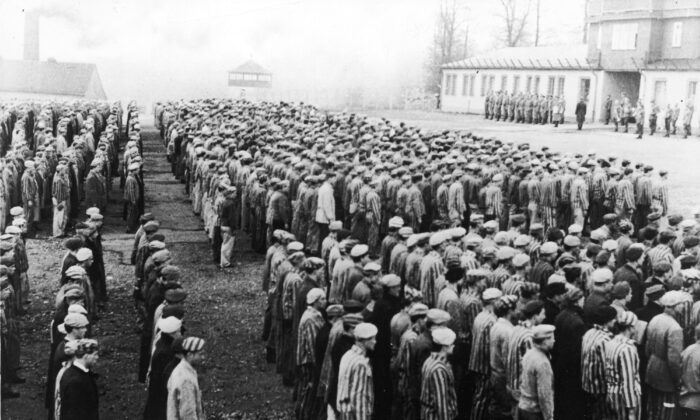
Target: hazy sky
(150, 49)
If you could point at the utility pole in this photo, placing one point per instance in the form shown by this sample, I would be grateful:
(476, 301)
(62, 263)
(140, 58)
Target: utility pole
(537, 25)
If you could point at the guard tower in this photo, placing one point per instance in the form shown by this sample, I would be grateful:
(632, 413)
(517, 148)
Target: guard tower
(250, 75)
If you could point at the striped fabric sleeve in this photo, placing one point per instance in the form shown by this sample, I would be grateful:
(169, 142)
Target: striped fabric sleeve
(628, 363)
(361, 392)
(439, 385)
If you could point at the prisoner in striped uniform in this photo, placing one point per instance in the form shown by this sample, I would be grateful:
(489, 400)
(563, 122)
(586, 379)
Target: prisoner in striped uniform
(438, 397)
(431, 267)
(624, 204)
(310, 324)
(662, 251)
(624, 392)
(519, 343)
(131, 199)
(479, 355)
(499, 334)
(418, 313)
(355, 399)
(593, 361)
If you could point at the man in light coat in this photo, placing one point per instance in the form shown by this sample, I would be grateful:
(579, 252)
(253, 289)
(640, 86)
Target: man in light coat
(184, 396)
(664, 344)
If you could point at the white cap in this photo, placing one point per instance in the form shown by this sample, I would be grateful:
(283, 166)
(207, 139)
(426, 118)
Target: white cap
(601, 275)
(83, 254)
(395, 222)
(390, 280)
(437, 238)
(491, 293)
(443, 336)
(314, 295)
(169, 325)
(365, 330)
(359, 250)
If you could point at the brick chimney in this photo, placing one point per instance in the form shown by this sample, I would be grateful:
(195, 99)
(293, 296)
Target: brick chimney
(31, 36)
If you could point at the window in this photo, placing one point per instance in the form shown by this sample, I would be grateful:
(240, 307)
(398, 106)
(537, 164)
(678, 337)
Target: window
(585, 88)
(465, 80)
(446, 85)
(624, 36)
(516, 84)
(677, 34)
(660, 92)
(251, 77)
(504, 80)
(453, 92)
(599, 39)
(492, 82)
(537, 85)
(550, 86)
(692, 89)
(472, 81)
(528, 85)
(483, 85)
(560, 86)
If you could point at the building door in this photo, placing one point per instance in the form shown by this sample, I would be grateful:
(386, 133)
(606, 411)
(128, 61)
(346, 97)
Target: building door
(585, 88)
(660, 92)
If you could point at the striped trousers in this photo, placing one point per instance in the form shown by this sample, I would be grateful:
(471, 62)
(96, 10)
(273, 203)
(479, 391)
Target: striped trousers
(617, 409)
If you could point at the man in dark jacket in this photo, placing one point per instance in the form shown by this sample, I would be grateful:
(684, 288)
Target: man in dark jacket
(163, 354)
(543, 268)
(554, 297)
(580, 113)
(652, 308)
(384, 310)
(566, 357)
(631, 272)
(78, 387)
(600, 296)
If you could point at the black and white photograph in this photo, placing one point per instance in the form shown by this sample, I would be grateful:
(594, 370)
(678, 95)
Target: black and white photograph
(349, 210)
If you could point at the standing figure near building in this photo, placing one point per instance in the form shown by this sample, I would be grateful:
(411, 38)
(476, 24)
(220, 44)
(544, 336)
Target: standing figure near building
(580, 113)
(653, 115)
(639, 118)
(687, 118)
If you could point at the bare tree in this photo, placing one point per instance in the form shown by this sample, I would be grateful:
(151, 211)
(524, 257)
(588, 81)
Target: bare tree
(448, 43)
(515, 15)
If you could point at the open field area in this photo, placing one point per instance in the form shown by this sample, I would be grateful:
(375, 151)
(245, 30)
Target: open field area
(678, 156)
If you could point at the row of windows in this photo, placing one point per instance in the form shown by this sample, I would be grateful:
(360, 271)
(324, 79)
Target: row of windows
(660, 91)
(624, 36)
(249, 77)
(555, 85)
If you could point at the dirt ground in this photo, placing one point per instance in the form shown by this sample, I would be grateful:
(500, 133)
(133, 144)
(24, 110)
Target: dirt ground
(224, 307)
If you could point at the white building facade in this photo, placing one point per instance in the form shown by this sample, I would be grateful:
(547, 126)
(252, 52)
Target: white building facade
(645, 49)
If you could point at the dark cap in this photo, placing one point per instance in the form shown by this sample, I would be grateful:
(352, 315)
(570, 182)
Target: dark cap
(352, 306)
(533, 307)
(633, 253)
(662, 268)
(554, 289)
(604, 314)
(621, 290)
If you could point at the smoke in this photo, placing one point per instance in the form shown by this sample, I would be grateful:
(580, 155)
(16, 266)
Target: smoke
(91, 35)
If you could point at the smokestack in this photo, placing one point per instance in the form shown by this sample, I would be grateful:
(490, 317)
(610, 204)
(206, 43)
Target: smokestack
(31, 36)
